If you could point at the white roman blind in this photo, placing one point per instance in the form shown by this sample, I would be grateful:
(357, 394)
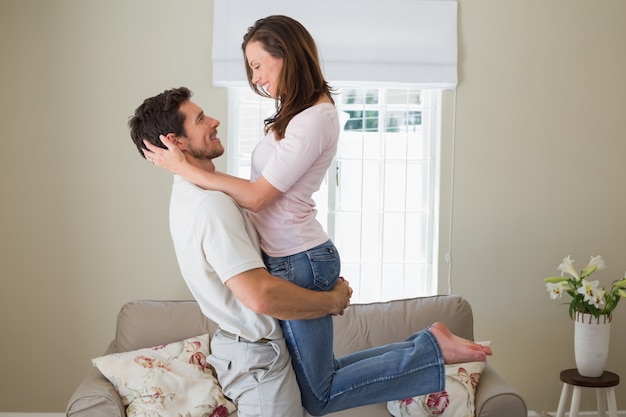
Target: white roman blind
(392, 41)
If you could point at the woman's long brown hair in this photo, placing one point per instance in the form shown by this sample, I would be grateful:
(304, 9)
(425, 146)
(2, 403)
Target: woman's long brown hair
(301, 82)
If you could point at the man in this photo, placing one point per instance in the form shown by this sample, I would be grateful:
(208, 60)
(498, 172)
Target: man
(219, 257)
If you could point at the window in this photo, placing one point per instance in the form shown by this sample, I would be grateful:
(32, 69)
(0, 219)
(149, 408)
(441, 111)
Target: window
(378, 200)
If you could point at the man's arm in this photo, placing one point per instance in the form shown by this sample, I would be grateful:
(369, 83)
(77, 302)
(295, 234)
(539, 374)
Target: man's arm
(273, 296)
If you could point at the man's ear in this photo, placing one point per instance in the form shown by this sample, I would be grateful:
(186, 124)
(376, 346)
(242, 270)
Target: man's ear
(177, 141)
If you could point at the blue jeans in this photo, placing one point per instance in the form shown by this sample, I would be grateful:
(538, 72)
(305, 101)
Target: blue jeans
(327, 384)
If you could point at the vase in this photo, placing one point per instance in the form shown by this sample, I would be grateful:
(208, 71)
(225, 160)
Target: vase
(591, 343)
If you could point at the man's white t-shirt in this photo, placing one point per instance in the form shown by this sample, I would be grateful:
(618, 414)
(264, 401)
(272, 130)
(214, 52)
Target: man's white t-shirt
(295, 165)
(214, 241)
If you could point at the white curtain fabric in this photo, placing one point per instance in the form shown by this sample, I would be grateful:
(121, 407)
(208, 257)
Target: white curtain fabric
(371, 41)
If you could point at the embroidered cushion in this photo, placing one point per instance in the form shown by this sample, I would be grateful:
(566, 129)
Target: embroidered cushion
(168, 380)
(456, 401)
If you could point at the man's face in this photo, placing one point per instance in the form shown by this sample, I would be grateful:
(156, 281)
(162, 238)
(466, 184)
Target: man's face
(201, 141)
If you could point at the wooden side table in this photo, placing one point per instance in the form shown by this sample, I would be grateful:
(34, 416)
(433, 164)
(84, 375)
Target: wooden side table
(605, 392)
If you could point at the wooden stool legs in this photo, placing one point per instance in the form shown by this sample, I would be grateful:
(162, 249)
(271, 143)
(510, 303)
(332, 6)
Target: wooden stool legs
(605, 392)
(610, 398)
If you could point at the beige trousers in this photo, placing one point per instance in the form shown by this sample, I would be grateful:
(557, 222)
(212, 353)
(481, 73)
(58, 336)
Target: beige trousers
(257, 377)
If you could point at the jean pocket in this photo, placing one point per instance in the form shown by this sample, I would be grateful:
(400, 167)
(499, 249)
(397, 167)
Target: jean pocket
(326, 266)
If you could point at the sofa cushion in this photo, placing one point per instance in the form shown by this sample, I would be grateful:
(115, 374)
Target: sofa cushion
(456, 400)
(168, 380)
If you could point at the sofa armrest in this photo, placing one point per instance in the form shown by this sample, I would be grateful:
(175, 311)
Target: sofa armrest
(496, 398)
(96, 396)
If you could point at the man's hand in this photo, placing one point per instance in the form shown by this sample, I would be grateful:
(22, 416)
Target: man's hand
(342, 293)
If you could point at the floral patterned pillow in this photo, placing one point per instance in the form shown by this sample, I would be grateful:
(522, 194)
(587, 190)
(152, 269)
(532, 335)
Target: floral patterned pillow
(168, 380)
(456, 401)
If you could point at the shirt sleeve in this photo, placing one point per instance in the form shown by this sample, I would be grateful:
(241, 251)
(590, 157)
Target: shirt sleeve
(307, 137)
(227, 239)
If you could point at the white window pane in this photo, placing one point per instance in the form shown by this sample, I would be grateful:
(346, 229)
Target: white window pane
(371, 184)
(395, 186)
(348, 236)
(370, 282)
(416, 242)
(417, 187)
(350, 146)
(350, 185)
(372, 146)
(417, 146)
(371, 240)
(394, 237)
(396, 146)
(392, 287)
(416, 281)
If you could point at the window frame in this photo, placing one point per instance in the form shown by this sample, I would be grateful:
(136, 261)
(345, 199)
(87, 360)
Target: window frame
(432, 117)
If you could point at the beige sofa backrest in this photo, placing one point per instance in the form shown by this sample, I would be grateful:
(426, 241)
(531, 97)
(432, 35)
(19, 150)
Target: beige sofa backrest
(149, 323)
(368, 325)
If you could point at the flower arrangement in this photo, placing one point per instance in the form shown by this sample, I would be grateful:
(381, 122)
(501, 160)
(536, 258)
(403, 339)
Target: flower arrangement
(587, 296)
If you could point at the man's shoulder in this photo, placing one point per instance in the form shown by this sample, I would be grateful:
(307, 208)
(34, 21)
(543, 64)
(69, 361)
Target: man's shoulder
(191, 203)
(188, 193)
(192, 208)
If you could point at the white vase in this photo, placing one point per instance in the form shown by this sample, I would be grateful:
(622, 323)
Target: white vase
(591, 343)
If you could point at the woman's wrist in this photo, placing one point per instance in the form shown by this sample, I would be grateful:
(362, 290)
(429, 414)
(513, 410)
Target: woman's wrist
(184, 169)
(196, 175)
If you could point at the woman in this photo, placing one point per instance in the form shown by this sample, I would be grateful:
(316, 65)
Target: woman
(287, 168)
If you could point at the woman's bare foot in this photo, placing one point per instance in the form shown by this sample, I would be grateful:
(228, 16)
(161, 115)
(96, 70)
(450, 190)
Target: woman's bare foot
(455, 349)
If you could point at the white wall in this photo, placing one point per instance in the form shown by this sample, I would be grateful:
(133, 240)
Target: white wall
(538, 168)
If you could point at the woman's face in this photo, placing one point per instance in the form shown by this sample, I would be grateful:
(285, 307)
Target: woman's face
(265, 68)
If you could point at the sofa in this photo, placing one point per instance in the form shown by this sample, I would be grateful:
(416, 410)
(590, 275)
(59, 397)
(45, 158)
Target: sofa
(148, 323)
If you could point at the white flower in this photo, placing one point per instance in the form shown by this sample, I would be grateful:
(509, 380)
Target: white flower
(555, 289)
(598, 299)
(592, 292)
(567, 267)
(595, 264)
